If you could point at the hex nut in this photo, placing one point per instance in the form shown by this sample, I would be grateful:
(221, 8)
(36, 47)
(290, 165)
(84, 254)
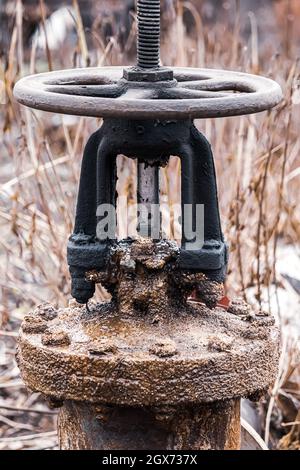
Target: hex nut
(56, 338)
(164, 349)
(102, 348)
(136, 74)
(46, 311)
(215, 344)
(239, 307)
(34, 325)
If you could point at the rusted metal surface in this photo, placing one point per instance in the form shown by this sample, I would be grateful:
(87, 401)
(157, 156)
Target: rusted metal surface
(150, 369)
(200, 356)
(203, 427)
(196, 93)
(149, 345)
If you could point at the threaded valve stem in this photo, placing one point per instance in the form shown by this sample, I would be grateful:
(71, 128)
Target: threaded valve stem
(148, 42)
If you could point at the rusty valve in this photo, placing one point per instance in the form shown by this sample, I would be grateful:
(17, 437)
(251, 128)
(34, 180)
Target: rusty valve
(150, 369)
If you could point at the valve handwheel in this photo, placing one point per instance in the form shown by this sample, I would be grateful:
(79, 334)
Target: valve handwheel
(192, 93)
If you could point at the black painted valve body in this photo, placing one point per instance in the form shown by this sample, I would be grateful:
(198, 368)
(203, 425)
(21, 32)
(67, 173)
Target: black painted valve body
(150, 142)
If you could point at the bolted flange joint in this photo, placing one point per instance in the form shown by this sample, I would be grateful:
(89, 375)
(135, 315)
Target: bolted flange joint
(169, 373)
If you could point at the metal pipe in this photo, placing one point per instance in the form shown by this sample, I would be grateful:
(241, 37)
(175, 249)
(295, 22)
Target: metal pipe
(83, 426)
(148, 40)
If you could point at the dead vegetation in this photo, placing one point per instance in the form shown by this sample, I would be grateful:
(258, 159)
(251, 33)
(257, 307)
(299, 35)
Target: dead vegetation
(258, 167)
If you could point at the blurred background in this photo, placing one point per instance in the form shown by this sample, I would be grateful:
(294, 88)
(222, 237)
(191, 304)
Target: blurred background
(257, 159)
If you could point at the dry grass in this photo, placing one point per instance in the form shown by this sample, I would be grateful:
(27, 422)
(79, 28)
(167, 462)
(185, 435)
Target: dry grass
(257, 160)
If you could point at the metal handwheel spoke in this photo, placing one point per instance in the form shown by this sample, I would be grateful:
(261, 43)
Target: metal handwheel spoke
(220, 85)
(102, 91)
(182, 74)
(185, 93)
(85, 76)
(139, 94)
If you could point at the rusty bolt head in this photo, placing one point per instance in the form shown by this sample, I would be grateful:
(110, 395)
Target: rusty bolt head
(102, 347)
(46, 311)
(165, 348)
(215, 344)
(263, 314)
(34, 325)
(239, 307)
(210, 292)
(55, 338)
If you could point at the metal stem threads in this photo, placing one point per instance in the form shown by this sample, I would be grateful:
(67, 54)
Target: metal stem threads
(148, 42)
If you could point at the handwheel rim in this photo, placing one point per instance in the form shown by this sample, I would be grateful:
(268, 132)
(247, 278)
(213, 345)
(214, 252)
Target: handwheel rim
(199, 93)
